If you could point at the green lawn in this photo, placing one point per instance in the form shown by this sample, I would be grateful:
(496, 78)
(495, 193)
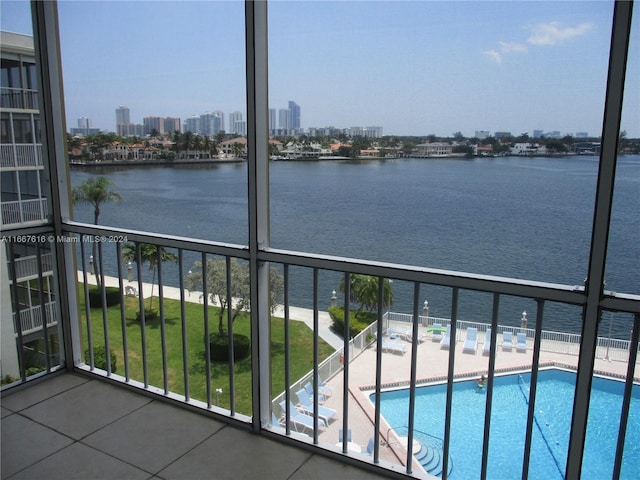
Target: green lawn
(301, 352)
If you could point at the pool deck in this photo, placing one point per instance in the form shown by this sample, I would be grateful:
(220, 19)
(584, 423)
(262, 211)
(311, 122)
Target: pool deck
(431, 367)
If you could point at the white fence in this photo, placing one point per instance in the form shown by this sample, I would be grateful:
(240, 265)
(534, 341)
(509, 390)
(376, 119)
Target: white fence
(28, 266)
(31, 318)
(330, 366)
(552, 342)
(22, 155)
(23, 211)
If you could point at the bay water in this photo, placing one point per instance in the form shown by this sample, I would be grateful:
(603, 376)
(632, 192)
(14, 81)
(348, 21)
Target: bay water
(527, 218)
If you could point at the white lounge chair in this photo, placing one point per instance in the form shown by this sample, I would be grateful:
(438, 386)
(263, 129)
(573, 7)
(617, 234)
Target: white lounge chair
(394, 347)
(421, 336)
(298, 419)
(486, 347)
(521, 342)
(471, 342)
(507, 341)
(446, 340)
(306, 406)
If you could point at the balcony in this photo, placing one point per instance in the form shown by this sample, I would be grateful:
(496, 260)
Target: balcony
(20, 156)
(72, 426)
(18, 98)
(170, 410)
(22, 212)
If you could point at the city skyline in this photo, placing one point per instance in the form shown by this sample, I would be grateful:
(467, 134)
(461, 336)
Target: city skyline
(414, 68)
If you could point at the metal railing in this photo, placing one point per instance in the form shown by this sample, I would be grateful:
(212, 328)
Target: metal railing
(19, 98)
(21, 155)
(553, 342)
(24, 211)
(31, 319)
(28, 266)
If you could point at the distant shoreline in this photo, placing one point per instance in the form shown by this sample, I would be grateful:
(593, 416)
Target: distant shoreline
(154, 163)
(209, 161)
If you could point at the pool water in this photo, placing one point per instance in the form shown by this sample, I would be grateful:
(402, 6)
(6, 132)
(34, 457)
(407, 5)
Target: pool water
(554, 404)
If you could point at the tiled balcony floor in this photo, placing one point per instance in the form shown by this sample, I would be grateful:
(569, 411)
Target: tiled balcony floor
(73, 427)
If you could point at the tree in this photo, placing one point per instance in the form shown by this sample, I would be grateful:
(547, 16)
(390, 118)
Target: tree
(364, 290)
(177, 140)
(237, 148)
(95, 191)
(240, 287)
(150, 254)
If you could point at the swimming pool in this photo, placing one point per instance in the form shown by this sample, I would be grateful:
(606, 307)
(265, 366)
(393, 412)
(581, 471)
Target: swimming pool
(554, 403)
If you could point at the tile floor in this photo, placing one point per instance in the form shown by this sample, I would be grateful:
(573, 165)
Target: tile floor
(74, 427)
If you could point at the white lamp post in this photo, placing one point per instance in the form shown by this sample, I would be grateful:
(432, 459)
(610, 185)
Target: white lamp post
(425, 313)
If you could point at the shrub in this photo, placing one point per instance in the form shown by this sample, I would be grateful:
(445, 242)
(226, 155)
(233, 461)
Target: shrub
(358, 321)
(100, 358)
(220, 347)
(112, 295)
(150, 315)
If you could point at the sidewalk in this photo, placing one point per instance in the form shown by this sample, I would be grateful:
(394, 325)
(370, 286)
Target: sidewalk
(295, 313)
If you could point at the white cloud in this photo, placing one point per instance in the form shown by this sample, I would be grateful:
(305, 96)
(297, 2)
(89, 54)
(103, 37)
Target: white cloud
(512, 47)
(494, 55)
(506, 48)
(553, 33)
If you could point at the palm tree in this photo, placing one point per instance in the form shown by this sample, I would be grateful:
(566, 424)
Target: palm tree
(364, 290)
(150, 254)
(95, 191)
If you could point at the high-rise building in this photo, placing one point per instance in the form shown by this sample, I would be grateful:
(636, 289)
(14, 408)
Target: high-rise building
(84, 122)
(23, 203)
(153, 124)
(235, 119)
(122, 116)
(294, 110)
(192, 124)
(272, 121)
(172, 124)
(284, 119)
(84, 127)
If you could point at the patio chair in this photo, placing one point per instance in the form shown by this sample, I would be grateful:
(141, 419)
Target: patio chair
(370, 445)
(274, 420)
(323, 391)
(394, 347)
(341, 436)
(392, 333)
(507, 341)
(436, 334)
(306, 406)
(521, 342)
(299, 419)
(446, 340)
(323, 387)
(421, 336)
(486, 347)
(471, 342)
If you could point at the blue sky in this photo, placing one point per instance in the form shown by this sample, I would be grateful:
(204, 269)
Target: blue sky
(414, 68)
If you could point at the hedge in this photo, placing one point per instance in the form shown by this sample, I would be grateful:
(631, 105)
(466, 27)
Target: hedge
(358, 321)
(95, 296)
(220, 347)
(100, 358)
